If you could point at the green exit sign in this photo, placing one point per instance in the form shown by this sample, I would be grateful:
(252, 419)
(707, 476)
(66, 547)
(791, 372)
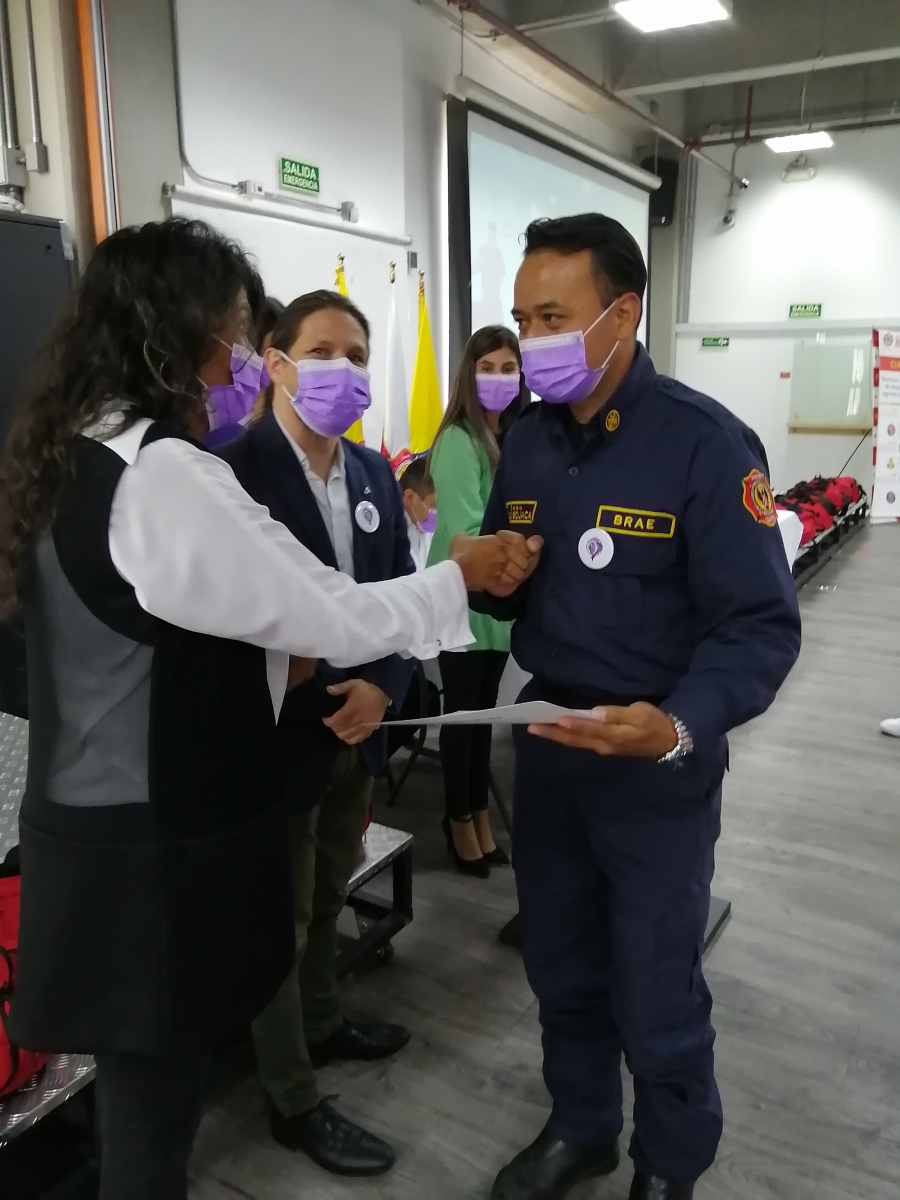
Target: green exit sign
(716, 343)
(298, 176)
(803, 312)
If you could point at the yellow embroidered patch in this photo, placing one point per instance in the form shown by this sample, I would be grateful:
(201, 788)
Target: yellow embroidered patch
(636, 522)
(521, 512)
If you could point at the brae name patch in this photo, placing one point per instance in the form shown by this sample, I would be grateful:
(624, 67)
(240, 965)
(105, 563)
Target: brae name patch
(521, 512)
(758, 499)
(636, 522)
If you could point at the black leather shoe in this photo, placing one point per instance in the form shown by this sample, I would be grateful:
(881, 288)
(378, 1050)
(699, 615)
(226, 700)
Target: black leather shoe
(355, 1040)
(549, 1169)
(651, 1187)
(332, 1141)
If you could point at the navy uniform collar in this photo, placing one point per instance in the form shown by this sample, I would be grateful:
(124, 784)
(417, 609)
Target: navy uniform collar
(605, 424)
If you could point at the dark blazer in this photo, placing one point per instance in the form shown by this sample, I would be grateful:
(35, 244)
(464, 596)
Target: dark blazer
(267, 467)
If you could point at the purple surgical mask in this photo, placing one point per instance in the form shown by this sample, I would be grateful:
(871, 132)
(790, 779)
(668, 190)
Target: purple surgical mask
(496, 392)
(228, 405)
(556, 369)
(331, 394)
(429, 525)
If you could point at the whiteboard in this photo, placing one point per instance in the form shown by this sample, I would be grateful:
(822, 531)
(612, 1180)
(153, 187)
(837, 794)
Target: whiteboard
(294, 259)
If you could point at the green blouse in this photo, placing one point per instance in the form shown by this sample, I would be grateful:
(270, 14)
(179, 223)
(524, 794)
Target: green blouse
(462, 480)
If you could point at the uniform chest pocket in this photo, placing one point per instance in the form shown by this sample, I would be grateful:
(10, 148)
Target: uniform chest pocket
(621, 591)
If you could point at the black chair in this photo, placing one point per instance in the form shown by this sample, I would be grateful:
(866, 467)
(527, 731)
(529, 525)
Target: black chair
(424, 699)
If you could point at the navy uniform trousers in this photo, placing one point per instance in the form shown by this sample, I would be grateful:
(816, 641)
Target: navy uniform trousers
(614, 860)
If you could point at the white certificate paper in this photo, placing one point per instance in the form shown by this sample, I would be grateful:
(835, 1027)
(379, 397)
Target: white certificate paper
(535, 712)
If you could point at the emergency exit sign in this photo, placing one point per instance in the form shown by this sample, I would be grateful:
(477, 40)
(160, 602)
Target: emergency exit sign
(298, 176)
(803, 312)
(716, 343)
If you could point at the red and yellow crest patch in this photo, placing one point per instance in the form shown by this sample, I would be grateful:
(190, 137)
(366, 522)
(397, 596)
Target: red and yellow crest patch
(758, 499)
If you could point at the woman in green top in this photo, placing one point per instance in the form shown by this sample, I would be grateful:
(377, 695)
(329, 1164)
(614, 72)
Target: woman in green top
(488, 394)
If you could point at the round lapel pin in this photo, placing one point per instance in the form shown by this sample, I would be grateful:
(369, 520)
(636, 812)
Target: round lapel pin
(367, 516)
(596, 548)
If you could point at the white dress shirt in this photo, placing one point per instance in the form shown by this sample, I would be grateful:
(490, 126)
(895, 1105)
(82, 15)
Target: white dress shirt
(201, 554)
(333, 500)
(419, 543)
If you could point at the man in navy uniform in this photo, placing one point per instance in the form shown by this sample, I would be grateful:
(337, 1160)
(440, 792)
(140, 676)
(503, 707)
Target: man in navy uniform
(663, 603)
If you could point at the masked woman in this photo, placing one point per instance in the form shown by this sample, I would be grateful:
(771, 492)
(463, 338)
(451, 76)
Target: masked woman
(161, 605)
(488, 394)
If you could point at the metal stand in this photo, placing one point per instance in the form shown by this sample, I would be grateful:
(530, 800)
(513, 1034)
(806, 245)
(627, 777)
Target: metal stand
(377, 919)
(824, 546)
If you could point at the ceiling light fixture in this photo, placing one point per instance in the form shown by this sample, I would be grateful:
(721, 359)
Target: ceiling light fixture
(795, 143)
(651, 16)
(799, 170)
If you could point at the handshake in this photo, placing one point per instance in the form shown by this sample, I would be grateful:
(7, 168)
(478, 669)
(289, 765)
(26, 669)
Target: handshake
(499, 563)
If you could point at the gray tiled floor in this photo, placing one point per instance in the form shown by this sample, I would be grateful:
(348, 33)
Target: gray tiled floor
(806, 977)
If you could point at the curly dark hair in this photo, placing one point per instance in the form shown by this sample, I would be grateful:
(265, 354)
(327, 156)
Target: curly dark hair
(139, 328)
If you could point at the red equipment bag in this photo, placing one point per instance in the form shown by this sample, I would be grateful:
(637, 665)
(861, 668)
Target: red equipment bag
(16, 1065)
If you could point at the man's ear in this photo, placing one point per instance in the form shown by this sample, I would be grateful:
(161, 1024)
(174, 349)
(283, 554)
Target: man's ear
(627, 314)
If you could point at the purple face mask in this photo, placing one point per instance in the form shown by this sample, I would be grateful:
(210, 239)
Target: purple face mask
(228, 405)
(331, 394)
(556, 369)
(429, 525)
(496, 392)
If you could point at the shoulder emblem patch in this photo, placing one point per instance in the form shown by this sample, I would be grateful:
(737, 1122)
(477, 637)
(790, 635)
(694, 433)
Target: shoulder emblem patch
(521, 512)
(758, 499)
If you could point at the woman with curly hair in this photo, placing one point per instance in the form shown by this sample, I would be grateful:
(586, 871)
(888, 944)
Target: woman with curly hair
(161, 605)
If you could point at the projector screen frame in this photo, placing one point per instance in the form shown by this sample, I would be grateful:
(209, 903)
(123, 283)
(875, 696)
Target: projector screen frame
(459, 214)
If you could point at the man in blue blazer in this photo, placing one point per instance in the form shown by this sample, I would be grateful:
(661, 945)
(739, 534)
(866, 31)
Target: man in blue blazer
(342, 501)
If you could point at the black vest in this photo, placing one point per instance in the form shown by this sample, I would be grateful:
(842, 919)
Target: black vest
(156, 888)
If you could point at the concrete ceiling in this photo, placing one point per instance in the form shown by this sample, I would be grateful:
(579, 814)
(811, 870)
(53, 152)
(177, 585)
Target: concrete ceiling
(808, 61)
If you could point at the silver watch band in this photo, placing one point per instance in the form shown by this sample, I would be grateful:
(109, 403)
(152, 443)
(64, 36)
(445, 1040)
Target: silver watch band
(683, 747)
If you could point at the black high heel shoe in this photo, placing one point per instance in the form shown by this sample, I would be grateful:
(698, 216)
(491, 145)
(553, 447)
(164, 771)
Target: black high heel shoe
(480, 868)
(497, 857)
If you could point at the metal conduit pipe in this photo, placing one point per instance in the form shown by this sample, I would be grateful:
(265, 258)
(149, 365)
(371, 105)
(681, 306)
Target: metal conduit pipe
(12, 172)
(10, 126)
(36, 158)
(504, 27)
(838, 125)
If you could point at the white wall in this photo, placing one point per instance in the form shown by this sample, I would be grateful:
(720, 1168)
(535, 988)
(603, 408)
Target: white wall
(356, 87)
(834, 240)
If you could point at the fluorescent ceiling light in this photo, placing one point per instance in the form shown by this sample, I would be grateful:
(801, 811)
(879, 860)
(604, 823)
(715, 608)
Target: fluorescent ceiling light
(795, 142)
(650, 16)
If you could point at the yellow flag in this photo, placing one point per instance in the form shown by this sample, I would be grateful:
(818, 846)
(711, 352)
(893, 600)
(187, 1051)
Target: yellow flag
(425, 408)
(355, 432)
(340, 279)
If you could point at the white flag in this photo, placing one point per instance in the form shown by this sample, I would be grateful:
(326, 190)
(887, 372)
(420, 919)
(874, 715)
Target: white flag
(396, 396)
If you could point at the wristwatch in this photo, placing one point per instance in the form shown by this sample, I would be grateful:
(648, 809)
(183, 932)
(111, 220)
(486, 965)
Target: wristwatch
(683, 747)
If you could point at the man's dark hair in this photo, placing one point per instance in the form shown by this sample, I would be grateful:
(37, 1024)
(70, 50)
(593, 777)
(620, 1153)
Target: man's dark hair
(618, 264)
(415, 476)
